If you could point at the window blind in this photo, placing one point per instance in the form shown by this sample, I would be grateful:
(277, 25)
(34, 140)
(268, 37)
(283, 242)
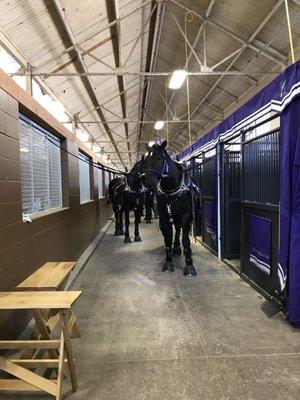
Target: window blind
(40, 164)
(84, 178)
(106, 180)
(100, 183)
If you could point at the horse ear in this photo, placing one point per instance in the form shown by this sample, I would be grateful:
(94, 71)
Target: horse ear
(143, 157)
(164, 144)
(147, 147)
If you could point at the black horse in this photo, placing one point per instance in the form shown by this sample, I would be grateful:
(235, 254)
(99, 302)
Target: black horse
(174, 201)
(126, 194)
(149, 205)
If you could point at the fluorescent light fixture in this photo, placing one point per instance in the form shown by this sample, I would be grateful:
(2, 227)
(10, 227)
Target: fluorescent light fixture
(82, 135)
(159, 125)
(177, 78)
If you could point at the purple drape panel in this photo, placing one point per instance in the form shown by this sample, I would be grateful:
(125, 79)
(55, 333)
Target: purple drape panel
(289, 248)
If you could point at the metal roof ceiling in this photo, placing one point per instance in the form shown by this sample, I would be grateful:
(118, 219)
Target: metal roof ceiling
(68, 38)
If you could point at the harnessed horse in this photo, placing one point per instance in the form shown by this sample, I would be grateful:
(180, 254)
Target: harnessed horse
(174, 192)
(126, 194)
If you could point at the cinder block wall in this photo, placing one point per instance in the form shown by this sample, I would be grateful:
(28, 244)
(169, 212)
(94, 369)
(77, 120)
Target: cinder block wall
(60, 235)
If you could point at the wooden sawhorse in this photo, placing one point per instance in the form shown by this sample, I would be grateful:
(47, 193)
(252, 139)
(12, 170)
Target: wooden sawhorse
(52, 276)
(37, 302)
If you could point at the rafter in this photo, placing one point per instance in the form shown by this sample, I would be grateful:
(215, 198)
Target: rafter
(155, 27)
(245, 45)
(86, 79)
(279, 59)
(112, 7)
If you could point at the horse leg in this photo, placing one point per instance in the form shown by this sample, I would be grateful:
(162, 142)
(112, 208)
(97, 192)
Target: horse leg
(189, 269)
(167, 231)
(127, 223)
(122, 232)
(117, 226)
(137, 220)
(148, 212)
(176, 243)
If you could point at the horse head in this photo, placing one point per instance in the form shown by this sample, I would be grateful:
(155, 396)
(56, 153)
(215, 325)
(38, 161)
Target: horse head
(157, 164)
(135, 177)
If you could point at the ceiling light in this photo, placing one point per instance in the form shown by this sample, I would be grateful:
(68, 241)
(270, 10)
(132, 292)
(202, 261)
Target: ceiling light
(177, 79)
(159, 125)
(83, 136)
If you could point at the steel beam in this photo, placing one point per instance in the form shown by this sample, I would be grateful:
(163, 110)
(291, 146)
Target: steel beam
(13, 50)
(102, 29)
(145, 74)
(155, 28)
(252, 37)
(86, 79)
(280, 58)
(115, 30)
(140, 121)
(196, 40)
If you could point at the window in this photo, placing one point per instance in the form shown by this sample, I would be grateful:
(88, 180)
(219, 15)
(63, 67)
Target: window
(106, 181)
(100, 183)
(40, 164)
(84, 178)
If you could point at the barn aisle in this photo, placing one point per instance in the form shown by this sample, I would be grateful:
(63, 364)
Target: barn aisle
(151, 335)
(159, 336)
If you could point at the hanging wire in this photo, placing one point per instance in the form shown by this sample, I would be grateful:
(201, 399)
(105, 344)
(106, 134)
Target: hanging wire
(290, 30)
(187, 18)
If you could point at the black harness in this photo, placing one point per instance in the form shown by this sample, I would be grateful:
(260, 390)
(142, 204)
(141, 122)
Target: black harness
(172, 196)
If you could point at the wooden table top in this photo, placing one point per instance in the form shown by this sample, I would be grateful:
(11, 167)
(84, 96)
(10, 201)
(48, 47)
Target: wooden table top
(49, 277)
(25, 300)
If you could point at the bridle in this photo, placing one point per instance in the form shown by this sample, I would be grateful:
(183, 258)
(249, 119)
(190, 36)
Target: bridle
(165, 169)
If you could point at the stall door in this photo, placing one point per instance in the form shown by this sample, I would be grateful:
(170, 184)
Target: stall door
(231, 205)
(260, 211)
(209, 207)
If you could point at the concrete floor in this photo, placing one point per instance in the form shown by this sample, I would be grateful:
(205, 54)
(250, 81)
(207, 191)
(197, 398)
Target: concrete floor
(148, 335)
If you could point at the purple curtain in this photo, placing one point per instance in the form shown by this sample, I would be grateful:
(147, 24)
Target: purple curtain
(261, 242)
(289, 248)
(209, 211)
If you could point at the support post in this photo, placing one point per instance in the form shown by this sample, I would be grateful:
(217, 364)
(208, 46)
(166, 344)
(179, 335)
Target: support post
(218, 155)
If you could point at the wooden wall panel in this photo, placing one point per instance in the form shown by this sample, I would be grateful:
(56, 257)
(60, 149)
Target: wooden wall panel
(60, 235)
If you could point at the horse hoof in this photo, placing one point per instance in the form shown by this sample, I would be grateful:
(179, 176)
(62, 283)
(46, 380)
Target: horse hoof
(168, 266)
(177, 251)
(127, 239)
(189, 270)
(137, 239)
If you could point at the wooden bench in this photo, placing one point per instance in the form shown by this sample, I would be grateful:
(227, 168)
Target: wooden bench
(27, 380)
(51, 276)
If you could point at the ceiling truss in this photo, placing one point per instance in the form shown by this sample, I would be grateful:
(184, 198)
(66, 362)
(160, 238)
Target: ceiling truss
(124, 145)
